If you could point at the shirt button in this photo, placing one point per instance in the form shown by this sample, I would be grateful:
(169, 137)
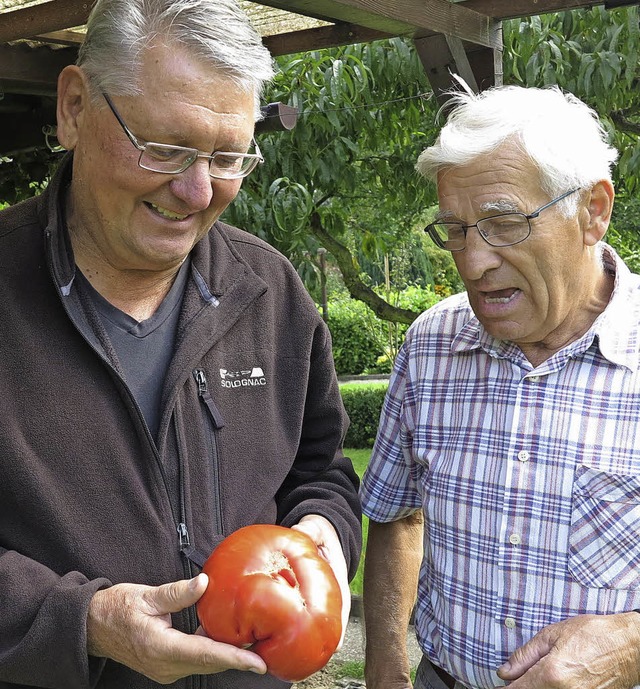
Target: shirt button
(534, 379)
(509, 623)
(515, 539)
(523, 456)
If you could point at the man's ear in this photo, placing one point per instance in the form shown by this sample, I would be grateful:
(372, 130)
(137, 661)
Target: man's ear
(599, 207)
(73, 99)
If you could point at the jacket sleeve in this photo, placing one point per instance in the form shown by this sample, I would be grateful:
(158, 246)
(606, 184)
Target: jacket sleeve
(43, 625)
(322, 480)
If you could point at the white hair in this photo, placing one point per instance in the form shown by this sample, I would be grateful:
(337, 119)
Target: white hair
(560, 134)
(215, 32)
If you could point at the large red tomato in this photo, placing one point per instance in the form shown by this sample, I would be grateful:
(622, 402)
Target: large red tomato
(271, 591)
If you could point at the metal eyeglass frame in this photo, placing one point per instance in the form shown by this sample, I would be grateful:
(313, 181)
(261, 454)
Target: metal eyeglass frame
(255, 158)
(430, 230)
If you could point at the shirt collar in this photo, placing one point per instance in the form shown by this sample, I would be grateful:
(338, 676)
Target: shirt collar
(617, 327)
(616, 330)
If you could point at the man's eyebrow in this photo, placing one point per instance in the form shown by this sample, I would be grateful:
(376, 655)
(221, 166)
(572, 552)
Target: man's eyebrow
(444, 216)
(502, 206)
(499, 206)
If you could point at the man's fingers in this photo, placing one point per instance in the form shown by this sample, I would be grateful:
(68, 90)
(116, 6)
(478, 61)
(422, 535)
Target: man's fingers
(177, 595)
(525, 657)
(199, 654)
(325, 537)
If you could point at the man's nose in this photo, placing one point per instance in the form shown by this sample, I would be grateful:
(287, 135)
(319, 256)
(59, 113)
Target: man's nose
(477, 258)
(194, 186)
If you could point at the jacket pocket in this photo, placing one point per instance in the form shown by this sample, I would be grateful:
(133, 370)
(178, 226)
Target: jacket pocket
(604, 540)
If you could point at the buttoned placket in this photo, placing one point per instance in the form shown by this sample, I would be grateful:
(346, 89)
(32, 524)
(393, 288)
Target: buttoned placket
(515, 527)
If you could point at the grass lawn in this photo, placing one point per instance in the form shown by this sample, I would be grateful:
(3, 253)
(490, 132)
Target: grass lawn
(360, 459)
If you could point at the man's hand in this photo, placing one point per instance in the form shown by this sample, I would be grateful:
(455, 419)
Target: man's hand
(325, 537)
(583, 652)
(131, 624)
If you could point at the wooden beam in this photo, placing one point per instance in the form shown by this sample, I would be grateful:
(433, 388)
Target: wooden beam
(466, 20)
(388, 16)
(32, 70)
(64, 37)
(510, 9)
(442, 56)
(401, 16)
(285, 43)
(43, 18)
(320, 37)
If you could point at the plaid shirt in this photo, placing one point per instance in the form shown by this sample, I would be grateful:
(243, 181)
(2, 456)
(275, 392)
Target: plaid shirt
(529, 478)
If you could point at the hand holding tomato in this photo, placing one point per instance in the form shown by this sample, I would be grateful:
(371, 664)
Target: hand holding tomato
(324, 535)
(271, 591)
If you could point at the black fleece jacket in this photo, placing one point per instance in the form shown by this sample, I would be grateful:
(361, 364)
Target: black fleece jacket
(251, 430)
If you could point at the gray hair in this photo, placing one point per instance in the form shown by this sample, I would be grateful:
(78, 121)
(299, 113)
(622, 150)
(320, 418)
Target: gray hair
(216, 32)
(560, 134)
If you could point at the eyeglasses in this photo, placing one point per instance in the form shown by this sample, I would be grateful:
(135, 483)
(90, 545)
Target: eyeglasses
(505, 229)
(172, 160)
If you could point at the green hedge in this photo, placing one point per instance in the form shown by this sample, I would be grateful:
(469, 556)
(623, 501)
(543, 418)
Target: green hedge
(362, 343)
(363, 402)
(357, 336)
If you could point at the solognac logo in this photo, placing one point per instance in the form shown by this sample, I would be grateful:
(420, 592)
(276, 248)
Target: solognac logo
(242, 379)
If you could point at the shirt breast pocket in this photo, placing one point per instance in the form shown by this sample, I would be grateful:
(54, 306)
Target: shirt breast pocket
(604, 540)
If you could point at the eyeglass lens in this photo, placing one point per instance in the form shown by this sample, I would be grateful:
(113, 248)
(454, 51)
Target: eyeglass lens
(501, 230)
(165, 158)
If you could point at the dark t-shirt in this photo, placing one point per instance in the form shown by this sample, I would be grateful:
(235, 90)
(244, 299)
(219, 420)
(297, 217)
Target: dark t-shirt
(144, 349)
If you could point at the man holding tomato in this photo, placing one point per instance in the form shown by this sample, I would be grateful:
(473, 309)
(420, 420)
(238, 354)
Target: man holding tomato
(504, 486)
(166, 379)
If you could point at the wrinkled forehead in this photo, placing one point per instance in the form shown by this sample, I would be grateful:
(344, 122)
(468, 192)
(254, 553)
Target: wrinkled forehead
(505, 180)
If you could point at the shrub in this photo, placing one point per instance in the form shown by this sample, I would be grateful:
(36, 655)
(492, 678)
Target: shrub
(356, 334)
(363, 402)
(362, 343)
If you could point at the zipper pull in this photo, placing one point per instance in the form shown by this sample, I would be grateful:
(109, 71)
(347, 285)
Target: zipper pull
(201, 381)
(183, 535)
(203, 393)
(190, 552)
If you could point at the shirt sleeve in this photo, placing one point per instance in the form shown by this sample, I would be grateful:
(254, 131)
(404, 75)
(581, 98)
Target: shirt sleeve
(390, 487)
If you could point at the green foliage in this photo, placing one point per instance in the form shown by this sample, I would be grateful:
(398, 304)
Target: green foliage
(586, 52)
(353, 669)
(445, 276)
(414, 298)
(362, 343)
(356, 335)
(412, 260)
(350, 158)
(25, 174)
(624, 231)
(363, 402)
(359, 456)
(593, 53)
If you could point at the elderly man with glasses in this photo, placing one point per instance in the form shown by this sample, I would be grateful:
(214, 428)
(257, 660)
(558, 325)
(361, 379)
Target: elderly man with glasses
(166, 379)
(504, 486)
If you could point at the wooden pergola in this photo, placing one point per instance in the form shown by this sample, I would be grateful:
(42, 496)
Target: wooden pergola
(38, 39)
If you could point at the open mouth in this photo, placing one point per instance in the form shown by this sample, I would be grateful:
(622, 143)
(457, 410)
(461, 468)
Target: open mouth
(500, 296)
(165, 212)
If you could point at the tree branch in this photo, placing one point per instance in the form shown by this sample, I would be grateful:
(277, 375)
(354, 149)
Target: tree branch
(622, 122)
(351, 274)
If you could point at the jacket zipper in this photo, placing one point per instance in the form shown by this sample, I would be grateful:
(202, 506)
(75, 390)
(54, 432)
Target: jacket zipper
(215, 423)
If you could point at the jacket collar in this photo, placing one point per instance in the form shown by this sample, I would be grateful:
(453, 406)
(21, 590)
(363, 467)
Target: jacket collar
(51, 208)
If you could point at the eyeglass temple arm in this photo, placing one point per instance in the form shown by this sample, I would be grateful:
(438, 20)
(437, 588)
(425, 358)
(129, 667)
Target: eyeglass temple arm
(552, 202)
